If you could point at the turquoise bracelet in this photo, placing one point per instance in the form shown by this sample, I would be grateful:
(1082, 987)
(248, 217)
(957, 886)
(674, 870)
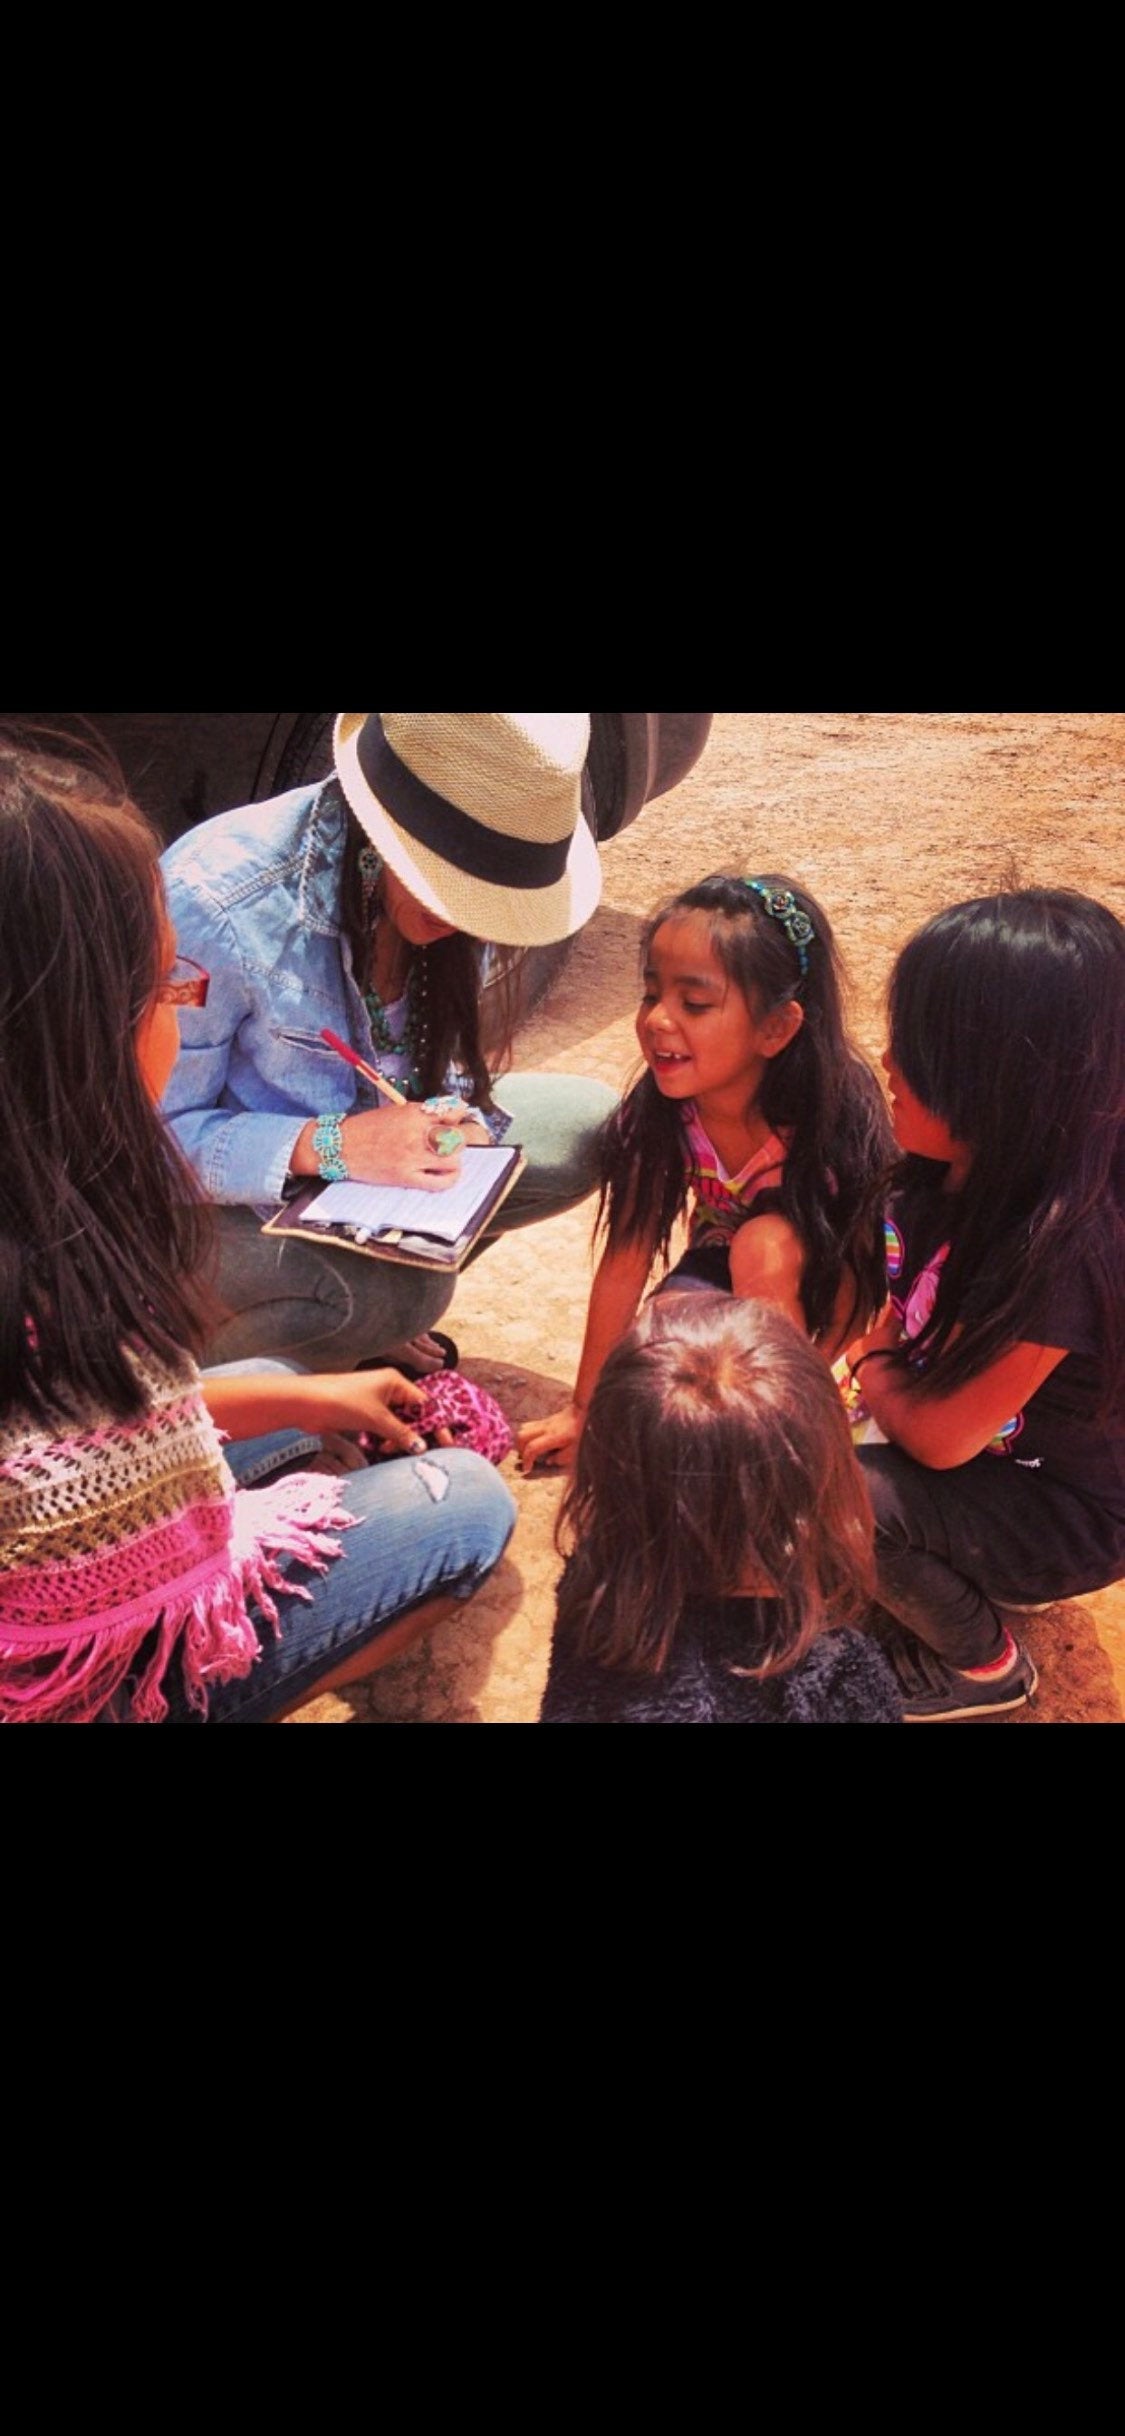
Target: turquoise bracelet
(328, 1145)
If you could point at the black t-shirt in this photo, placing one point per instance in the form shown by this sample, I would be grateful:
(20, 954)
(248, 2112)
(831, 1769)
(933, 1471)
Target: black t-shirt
(1056, 1433)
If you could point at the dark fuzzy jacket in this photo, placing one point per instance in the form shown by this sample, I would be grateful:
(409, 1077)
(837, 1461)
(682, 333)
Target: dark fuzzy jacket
(843, 1680)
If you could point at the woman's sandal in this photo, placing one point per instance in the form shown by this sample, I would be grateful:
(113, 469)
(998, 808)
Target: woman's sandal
(414, 1371)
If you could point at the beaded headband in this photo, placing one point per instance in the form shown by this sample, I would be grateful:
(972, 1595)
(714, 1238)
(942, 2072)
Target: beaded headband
(781, 905)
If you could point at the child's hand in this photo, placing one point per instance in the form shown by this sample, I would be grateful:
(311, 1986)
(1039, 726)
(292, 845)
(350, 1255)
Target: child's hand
(864, 1428)
(882, 1338)
(552, 1442)
(379, 1403)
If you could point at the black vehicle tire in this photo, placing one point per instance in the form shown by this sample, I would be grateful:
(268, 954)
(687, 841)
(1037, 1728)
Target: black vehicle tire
(307, 752)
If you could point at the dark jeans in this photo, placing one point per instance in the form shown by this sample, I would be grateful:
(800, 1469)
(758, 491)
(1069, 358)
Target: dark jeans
(953, 1547)
(706, 1271)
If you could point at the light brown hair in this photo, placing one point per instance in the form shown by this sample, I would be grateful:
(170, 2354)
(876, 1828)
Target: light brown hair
(715, 1461)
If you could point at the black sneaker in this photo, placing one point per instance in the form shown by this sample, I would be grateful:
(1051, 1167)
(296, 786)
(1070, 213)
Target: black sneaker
(933, 1692)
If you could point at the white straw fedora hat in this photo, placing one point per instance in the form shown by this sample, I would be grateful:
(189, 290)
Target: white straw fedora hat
(479, 814)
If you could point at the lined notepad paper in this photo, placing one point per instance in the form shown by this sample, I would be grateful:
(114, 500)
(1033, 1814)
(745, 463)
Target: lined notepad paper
(387, 1208)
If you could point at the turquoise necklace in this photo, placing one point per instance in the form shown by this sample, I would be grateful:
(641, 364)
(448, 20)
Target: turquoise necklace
(415, 1037)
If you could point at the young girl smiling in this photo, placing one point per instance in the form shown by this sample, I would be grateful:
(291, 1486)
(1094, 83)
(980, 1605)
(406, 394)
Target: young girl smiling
(756, 1114)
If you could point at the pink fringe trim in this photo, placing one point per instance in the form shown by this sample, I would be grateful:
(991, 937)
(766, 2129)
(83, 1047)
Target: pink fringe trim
(209, 1624)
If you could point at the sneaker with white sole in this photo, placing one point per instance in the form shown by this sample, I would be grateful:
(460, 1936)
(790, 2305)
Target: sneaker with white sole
(933, 1692)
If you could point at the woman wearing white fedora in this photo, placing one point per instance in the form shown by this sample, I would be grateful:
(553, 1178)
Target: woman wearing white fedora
(364, 906)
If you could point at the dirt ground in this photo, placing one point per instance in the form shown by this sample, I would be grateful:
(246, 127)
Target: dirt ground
(886, 817)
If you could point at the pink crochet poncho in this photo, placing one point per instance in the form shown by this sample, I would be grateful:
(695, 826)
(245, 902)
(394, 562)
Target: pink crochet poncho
(122, 1529)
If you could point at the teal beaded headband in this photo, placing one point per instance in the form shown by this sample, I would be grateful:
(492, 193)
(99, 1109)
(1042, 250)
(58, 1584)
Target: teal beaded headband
(781, 905)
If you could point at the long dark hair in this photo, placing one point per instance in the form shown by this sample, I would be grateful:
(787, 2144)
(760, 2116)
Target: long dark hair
(1007, 1020)
(819, 1086)
(716, 1453)
(468, 1025)
(102, 1227)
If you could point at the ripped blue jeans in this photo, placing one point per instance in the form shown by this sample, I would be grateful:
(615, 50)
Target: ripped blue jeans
(432, 1527)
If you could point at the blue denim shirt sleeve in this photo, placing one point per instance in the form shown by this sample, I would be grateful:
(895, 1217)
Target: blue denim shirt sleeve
(240, 1153)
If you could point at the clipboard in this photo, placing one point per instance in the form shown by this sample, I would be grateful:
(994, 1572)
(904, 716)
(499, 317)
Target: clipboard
(371, 1228)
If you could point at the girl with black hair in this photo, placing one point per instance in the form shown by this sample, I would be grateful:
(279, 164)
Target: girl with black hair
(720, 1535)
(756, 1115)
(996, 1377)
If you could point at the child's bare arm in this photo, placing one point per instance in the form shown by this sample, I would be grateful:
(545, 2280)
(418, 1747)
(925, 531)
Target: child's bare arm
(382, 1402)
(944, 1431)
(766, 1261)
(619, 1283)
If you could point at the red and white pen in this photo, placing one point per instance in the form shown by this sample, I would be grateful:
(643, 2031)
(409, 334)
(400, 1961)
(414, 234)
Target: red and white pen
(380, 1081)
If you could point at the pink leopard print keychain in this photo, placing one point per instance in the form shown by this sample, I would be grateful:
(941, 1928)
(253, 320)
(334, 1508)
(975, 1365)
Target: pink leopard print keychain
(472, 1417)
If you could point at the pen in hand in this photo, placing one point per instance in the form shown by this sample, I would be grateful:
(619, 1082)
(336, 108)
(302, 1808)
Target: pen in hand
(445, 1142)
(380, 1081)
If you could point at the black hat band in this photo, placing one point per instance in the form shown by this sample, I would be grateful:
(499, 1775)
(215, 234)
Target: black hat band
(483, 854)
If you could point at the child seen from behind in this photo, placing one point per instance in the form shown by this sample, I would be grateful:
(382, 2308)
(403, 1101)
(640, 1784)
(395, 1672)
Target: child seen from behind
(721, 1534)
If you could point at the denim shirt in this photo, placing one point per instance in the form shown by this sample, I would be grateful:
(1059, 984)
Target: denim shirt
(253, 895)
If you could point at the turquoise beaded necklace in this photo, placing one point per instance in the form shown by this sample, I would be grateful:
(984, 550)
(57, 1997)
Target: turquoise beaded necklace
(415, 1037)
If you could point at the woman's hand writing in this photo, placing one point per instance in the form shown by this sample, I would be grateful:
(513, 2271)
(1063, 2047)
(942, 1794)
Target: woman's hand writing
(395, 1146)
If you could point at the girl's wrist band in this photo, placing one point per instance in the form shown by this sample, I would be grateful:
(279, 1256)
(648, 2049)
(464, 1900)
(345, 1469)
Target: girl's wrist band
(328, 1150)
(884, 1352)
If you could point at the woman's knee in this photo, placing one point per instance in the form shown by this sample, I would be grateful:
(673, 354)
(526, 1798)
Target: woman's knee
(554, 1113)
(556, 1118)
(323, 1310)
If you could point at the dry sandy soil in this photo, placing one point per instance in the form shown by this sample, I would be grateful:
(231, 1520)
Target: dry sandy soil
(886, 817)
